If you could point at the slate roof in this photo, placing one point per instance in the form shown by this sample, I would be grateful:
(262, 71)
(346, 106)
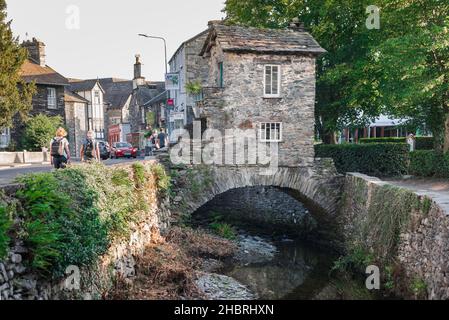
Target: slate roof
(255, 40)
(117, 91)
(82, 85)
(31, 71)
(186, 42)
(70, 96)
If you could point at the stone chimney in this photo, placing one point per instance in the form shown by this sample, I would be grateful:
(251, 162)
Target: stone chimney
(138, 79)
(36, 51)
(212, 23)
(296, 25)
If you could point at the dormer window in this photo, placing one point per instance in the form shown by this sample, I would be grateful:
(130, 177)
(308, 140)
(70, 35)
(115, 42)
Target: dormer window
(51, 98)
(272, 81)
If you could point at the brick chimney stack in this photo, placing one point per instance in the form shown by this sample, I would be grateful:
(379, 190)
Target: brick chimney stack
(36, 51)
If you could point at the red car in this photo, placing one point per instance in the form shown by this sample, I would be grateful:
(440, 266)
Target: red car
(123, 150)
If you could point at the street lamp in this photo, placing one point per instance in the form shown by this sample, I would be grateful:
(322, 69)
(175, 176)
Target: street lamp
(165, 47)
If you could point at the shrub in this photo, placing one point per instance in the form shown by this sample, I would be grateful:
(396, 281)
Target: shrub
(39, 130)
(422, 143)
(5, 225)
(61, 223)
(429, 164)
(224, 230)
(377, 159)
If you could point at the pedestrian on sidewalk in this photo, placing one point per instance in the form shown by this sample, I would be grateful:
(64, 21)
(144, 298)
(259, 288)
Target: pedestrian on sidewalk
(162, 139)
(59, 149)
(90, 150)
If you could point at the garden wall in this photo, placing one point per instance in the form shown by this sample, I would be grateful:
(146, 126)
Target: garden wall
(406, 235)
(22, 278)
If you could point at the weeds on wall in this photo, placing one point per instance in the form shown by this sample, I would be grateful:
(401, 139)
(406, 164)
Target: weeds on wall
(5, 226)
(70, 217)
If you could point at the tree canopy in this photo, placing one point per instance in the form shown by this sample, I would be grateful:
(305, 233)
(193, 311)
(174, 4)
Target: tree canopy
(15, 95)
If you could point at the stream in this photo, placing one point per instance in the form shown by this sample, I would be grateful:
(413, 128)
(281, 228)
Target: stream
(270, 265)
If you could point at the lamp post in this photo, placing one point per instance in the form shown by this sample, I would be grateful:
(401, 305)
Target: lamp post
(165, 47)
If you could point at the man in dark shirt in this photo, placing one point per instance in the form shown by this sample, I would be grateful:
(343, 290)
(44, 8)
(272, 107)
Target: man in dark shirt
(163, 141)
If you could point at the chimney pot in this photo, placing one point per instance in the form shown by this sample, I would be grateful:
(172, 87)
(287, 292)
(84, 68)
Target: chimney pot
(297, 25)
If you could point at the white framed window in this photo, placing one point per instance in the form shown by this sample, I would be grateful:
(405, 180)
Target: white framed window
(51, 98)
(270, 132)
(272, 81)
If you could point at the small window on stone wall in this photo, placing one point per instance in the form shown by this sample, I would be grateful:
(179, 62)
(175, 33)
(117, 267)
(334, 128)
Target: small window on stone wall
(51, 98)
(270, 132)
(272, 81)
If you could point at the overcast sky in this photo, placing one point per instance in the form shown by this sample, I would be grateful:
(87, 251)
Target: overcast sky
(106, 41)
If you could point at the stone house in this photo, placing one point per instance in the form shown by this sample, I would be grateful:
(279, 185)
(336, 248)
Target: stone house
(76, 121)
(190, 66)
(50, 86)
(263, 79)
(92, 91)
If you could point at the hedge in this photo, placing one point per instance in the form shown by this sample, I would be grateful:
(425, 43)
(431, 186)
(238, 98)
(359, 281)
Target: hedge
(376, 159)
(426, 163)
(422, 143)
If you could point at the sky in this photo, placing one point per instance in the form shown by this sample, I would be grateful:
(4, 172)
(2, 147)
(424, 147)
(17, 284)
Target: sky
(87, 39)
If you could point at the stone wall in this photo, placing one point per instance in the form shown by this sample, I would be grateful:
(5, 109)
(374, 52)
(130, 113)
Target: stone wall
(418, 251)
(17, 282)
(241, 103)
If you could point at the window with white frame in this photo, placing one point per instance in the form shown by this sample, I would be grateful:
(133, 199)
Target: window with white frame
(272, 80)
(51, 98)
(270, 132)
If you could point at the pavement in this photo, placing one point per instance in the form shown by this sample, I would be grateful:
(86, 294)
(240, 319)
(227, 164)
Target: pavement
(8, 173)
(437, 189)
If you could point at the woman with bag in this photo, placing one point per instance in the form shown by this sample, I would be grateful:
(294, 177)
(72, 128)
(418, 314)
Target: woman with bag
(59, 149)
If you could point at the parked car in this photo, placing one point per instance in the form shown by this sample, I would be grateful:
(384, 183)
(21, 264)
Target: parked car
(123, 150)
(105, 150)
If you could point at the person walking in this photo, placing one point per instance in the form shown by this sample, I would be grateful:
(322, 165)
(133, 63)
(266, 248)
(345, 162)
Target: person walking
(59, 149)
(90, 150)
(162, 139)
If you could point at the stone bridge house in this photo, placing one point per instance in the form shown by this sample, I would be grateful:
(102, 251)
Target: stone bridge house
(263, 79)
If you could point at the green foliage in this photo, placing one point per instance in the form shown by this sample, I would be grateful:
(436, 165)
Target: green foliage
(224, 230)
(5, 225)
(194, 87)
(151, 121)
(356, 261)
(15, 94)
(120, 177)
(422, 143)
(39, 130)
(139, 174)
(162, 178)
(419, 287)
(62, 225)
(429, 164)
(377, 159)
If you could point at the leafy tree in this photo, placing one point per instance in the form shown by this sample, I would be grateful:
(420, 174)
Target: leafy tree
(15, 94)
(39, 130)
(413, 63)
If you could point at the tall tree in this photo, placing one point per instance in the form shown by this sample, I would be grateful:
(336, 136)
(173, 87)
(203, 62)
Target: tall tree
(15, 95)
(346, 91)
(413, 62)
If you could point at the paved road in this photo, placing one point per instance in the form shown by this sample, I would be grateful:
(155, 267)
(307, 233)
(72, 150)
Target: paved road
(8, 175)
